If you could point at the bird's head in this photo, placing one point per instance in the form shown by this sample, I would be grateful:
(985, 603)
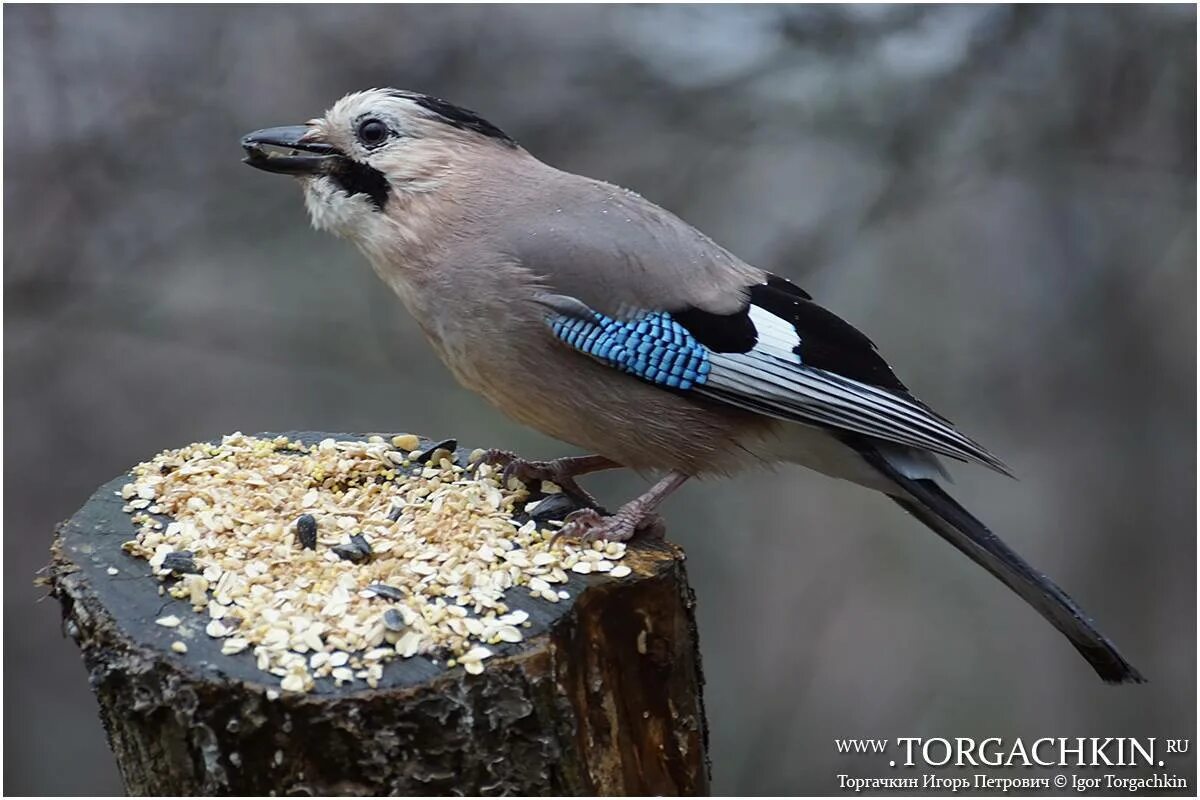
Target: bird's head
(371, 152)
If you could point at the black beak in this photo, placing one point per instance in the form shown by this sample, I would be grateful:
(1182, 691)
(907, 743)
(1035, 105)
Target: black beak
(284, 150)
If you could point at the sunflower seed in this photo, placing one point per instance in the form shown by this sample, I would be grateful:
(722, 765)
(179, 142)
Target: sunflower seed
(385, 591)
(180, 561)
(393, 620)
(554, 507)
(357, 550)
(306, 531)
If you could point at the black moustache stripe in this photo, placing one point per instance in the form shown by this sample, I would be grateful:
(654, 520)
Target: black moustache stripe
(355, 178)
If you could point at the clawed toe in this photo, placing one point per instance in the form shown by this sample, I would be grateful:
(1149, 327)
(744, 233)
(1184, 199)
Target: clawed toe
(580, 525)
(502, 459)
(588, 525)
(513, 466)
(531, 473)
(523, 471)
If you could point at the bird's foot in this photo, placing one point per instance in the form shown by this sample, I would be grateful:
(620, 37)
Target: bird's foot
(560, 471)
(636, 516)
(589, 525)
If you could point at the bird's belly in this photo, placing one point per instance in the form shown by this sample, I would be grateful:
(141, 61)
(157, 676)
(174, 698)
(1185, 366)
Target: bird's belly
(539, 382)
(571, 397)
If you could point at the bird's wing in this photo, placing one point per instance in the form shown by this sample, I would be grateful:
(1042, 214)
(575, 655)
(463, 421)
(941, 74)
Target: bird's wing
(620, 254)
(780, 354)
(634, 287)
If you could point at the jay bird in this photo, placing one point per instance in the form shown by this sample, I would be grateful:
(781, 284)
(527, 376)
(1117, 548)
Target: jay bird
(591, 314)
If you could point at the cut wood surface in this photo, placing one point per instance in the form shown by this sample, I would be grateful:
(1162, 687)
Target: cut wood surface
(603, 696)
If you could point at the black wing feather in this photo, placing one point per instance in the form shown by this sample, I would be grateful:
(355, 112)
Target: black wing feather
(827, 341)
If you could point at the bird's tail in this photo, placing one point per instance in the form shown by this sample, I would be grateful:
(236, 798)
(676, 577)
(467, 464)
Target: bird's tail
(926, 501)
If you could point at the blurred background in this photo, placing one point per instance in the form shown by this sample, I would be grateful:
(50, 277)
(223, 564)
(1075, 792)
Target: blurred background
(1003, 198)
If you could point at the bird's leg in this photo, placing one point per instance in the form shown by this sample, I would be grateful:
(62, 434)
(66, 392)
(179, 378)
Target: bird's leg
(637, 515)
(561, 471)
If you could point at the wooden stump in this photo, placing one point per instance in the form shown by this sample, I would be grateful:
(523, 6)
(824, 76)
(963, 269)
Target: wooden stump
(603, 697)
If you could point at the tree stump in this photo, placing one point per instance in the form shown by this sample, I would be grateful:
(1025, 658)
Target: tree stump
(602, 697)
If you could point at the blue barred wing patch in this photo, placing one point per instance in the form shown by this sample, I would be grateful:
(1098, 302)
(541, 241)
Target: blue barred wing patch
(652, 346)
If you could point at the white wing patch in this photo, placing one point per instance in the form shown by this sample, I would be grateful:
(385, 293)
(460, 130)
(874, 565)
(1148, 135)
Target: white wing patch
(775, 336)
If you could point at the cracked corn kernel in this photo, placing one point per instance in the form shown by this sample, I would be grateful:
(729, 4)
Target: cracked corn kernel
(406, 441)
(444, 551)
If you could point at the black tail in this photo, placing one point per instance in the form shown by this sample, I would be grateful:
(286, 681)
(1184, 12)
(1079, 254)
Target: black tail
(926, 501)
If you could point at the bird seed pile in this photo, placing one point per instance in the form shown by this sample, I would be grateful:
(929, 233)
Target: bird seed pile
(330, 559)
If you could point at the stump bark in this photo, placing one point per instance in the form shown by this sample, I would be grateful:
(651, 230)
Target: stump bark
(603, 697)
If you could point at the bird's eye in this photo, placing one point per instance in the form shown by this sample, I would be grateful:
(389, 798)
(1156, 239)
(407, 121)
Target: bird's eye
(372, 132)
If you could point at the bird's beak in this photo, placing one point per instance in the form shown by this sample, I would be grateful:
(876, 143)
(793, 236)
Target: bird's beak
(287, 151)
